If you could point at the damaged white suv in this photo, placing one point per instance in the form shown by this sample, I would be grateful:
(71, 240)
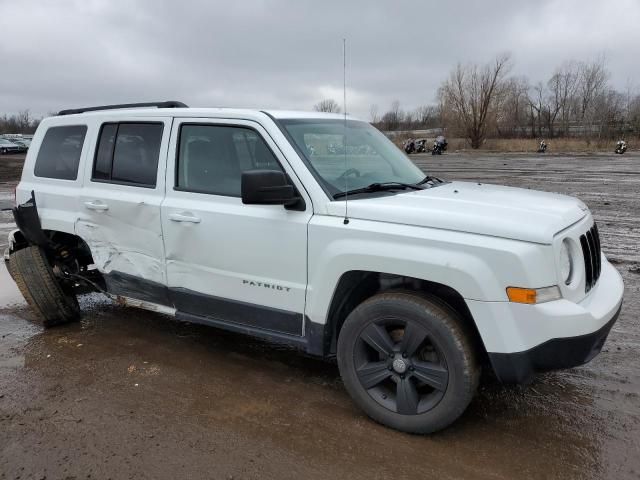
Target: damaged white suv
(316, 231)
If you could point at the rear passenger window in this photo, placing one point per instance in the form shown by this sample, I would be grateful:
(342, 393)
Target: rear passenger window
(59, 154)
(128, 153)
(211, 158)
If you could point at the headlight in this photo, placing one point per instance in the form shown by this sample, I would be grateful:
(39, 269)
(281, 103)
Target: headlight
(566, 263)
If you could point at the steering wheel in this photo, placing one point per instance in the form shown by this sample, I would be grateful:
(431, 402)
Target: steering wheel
(351, 171)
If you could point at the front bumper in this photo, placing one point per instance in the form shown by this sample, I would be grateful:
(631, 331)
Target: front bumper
(554, 354)
(524, 339)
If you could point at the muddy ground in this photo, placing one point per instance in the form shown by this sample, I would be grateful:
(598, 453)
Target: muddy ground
(133, 394)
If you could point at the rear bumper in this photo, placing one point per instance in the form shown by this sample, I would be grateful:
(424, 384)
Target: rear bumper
(554, 354)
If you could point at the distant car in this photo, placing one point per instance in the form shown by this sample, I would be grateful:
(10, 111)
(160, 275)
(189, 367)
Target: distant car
(22, 141)
(9, 147)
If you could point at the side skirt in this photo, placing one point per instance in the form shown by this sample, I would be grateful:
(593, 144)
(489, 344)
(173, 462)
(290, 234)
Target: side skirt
(236, 311)
(273, 325)
(276, 337)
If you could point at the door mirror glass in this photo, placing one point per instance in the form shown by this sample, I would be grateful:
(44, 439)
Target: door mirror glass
(267, 187)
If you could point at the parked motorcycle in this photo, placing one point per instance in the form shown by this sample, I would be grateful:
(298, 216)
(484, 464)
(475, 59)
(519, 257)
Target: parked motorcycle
(543, 147)
(421, 145)
(439, 145)
(409, 146)
(621, 147)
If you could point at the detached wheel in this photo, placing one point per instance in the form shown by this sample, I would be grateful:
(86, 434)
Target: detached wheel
(53, 303)
(407, 362)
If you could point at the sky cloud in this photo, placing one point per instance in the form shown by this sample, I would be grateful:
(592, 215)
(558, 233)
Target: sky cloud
(288, 54)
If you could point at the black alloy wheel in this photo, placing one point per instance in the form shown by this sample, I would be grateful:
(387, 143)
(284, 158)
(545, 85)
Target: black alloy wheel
(400, 366)
(408, 360)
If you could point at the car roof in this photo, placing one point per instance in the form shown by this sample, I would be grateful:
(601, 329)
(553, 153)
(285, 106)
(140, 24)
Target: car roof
(208, 112)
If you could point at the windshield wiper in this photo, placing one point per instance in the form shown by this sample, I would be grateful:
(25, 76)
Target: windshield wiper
(428, 179)
(380, 187)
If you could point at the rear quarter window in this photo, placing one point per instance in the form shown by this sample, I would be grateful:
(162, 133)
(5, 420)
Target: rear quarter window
(59, 154)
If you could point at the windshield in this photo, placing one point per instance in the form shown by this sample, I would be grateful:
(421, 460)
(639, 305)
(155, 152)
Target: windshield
(370, 156)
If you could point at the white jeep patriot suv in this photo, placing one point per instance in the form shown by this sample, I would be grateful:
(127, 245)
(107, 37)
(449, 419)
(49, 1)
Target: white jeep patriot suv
(316, 231)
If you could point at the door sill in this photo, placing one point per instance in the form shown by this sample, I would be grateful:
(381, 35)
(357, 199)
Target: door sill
(294, 341)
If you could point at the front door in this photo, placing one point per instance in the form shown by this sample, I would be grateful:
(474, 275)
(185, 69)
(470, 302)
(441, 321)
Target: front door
(244, 264)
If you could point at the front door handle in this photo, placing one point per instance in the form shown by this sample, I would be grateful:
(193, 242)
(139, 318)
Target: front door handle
(183, 217)
(96, 205)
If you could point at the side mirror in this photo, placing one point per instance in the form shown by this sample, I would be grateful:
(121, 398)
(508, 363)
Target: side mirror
(267, 187)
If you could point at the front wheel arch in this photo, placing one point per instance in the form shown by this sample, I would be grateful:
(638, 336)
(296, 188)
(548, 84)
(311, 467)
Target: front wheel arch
(356, 286)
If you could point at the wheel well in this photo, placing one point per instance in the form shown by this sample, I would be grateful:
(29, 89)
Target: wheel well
(357, 286)
(67, 251)
(67, 244)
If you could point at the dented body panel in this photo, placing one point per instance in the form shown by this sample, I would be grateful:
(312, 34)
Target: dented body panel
(121, 223)
(127, 237)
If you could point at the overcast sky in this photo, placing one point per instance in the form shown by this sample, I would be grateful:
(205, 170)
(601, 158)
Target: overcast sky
(288, 54)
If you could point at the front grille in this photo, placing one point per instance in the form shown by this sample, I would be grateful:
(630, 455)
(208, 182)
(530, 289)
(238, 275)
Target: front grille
(590, 243)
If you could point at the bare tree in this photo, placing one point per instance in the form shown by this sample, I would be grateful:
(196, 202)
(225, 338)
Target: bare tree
(327, 105)
(425, 115)
(23, 120)
(554, 102)
(408, 119)
(513, 110)
(611, 108)
(392, 120)
(540, 111)
(373, 113)
(593, 81)
(395, 111)
(471, 92)
(563, 86)
(633, 116)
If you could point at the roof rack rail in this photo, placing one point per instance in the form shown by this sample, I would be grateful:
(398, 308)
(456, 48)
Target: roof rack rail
(166, 104)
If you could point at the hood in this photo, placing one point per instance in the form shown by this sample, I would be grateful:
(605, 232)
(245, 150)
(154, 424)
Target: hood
(498, 211)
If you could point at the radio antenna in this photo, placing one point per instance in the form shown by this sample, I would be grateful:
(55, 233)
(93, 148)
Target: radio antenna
(344, 106)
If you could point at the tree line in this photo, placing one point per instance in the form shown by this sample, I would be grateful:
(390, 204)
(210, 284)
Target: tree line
(483, 101)
(22, 122)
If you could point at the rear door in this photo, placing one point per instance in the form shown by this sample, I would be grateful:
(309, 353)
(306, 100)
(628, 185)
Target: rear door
(245, 264)
(120, 201)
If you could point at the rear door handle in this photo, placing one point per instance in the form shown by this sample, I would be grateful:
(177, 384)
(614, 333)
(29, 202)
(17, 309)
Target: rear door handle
(96, 205)
(183, 217)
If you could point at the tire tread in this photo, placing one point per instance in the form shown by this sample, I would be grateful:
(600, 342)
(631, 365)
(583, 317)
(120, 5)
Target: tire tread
(34, 277)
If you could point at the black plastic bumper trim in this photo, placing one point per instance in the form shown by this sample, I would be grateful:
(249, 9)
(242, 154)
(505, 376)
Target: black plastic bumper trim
(554, 354)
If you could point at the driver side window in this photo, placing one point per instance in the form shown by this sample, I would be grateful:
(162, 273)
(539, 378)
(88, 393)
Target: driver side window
(211, 158)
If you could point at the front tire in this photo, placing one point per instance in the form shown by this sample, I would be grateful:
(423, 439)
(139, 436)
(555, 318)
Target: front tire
(407, 361)
(35, 279)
